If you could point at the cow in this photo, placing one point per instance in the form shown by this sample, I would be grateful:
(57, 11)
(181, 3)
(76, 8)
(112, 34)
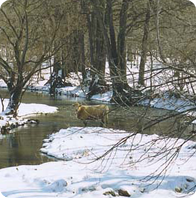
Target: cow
(92, 112)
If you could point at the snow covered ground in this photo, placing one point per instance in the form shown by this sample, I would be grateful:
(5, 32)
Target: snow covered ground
(24, 111)
(118, 174)
(121, 173)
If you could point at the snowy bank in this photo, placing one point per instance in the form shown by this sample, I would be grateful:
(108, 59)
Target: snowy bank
(77, 91)
(24, 111)
(164, 102)
(122, 173)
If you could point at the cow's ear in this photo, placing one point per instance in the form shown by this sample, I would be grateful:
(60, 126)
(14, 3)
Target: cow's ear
(76, 104)
(79, 105)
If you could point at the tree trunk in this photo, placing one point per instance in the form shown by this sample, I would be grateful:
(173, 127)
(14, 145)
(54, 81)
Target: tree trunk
(121, 42)
(14, 100)
(81, 54)
(90, 25)
(115, 49)
(144, 46)
(112, 52)
(56, 68)
(96, 44)
(64, 67)
(100, 54)
(117, 61)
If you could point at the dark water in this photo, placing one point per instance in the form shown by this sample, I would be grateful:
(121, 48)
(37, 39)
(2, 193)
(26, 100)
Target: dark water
(22, 146)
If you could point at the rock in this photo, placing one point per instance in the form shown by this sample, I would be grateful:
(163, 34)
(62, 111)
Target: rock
(142, 190)
(4, 130)
(89, 189)
(33, 121)
(189, 179)
(123, 193)
(178, 189)
(110, 193)
(12, 126)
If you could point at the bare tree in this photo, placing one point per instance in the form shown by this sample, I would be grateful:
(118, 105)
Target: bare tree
(115, 45)
(26, 42)
(97, 53)
(172, 47)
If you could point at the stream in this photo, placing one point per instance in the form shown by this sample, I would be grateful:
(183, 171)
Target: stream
(21, 147)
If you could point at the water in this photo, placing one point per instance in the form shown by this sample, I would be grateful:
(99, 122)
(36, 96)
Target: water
(22, 146)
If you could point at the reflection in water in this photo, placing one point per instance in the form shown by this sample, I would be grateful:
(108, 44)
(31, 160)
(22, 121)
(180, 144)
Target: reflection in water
(14, 141)
(22, 146)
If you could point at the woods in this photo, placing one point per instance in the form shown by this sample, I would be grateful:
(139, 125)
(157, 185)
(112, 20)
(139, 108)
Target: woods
(136, 57)
(26, 45)
(35, 33)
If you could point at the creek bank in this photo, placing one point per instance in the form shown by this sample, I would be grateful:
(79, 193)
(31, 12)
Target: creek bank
(25, 111)
(9, 123)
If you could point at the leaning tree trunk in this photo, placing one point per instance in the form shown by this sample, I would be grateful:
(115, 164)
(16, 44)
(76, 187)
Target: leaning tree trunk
(14, 100)
(57, 67)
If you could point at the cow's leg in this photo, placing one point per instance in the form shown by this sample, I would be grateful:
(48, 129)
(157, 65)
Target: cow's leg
(102, 124)
(106, 118)
(85, 123)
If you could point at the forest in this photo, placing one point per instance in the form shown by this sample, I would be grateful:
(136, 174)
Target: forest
(133, 62)
(77, 36)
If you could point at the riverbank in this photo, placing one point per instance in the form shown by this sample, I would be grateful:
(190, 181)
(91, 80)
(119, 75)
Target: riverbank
(8, 122)
(121, 173)
(75, 176)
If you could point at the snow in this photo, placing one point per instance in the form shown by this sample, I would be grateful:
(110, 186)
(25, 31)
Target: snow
(32, 109)
(169, 103)
(76, 175)
(24, 111)
(77, 91)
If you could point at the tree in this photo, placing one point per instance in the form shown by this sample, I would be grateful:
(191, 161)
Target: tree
(144, 46)
(73, 28)
(26, 40)
(97, 53)
(171, 41)
(175, 40)
(115, 45)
